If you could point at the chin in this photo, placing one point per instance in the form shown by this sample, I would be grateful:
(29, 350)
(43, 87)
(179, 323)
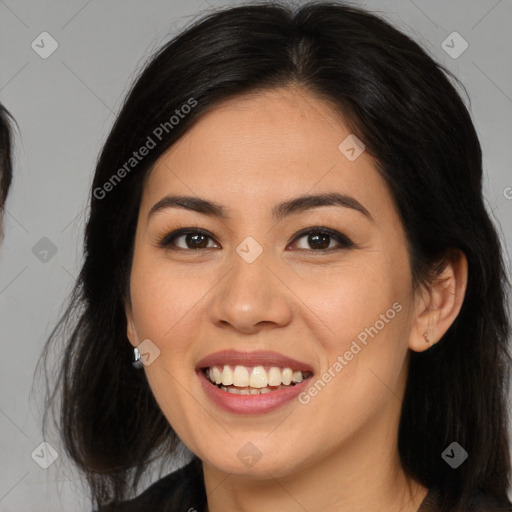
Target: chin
(253, 462)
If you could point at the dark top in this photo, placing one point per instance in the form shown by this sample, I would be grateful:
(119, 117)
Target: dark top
(183, 491)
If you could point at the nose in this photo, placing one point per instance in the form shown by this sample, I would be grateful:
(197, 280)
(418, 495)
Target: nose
(251, 297)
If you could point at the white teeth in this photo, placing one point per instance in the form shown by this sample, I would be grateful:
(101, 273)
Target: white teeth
(249, 391)
(286, 378)
(217, 376)
(255, 378)
(227, 376)
(258, 378)
(274, 376)
(241, 376)
(297, 377)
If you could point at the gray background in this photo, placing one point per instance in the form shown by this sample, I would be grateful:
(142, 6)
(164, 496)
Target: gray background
(65, 105)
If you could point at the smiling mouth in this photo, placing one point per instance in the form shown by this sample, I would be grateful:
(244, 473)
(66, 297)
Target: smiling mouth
(253, 380)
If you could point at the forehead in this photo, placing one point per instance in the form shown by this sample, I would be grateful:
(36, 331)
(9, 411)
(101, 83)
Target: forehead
(264, 147)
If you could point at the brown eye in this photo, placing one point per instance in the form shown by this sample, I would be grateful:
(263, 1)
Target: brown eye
(196, 241)
(188, 239)
(320, 239)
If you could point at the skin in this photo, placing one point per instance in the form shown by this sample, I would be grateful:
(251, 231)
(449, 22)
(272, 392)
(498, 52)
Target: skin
(339, 452)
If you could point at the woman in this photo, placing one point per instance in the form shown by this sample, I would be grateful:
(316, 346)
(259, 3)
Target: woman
(287, 232)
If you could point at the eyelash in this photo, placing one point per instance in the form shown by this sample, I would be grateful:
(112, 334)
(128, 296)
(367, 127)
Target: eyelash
(167, 240)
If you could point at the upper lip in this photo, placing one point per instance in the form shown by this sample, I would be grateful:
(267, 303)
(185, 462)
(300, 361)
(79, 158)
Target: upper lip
(258, 358)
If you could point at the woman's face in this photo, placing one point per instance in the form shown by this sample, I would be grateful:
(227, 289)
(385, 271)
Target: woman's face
(265, 282)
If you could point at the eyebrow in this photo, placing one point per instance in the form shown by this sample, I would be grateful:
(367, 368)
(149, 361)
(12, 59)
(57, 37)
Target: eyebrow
(295, 205)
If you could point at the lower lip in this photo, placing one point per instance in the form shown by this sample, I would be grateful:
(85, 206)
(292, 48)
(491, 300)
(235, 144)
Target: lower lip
(250, 404)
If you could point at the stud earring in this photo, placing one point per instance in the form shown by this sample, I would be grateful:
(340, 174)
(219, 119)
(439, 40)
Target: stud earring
(427, 339)
(137, 361)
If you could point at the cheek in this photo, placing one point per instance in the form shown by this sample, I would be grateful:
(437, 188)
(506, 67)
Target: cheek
(166, 310)
(351, 298)
(163, 299)
(363, 329)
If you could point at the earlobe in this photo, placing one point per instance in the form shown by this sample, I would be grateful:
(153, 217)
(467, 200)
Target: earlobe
(440, 302)
(131, 332)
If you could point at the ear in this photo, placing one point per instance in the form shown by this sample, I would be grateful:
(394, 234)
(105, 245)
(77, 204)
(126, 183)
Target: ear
(131, 332)
(439, 302)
